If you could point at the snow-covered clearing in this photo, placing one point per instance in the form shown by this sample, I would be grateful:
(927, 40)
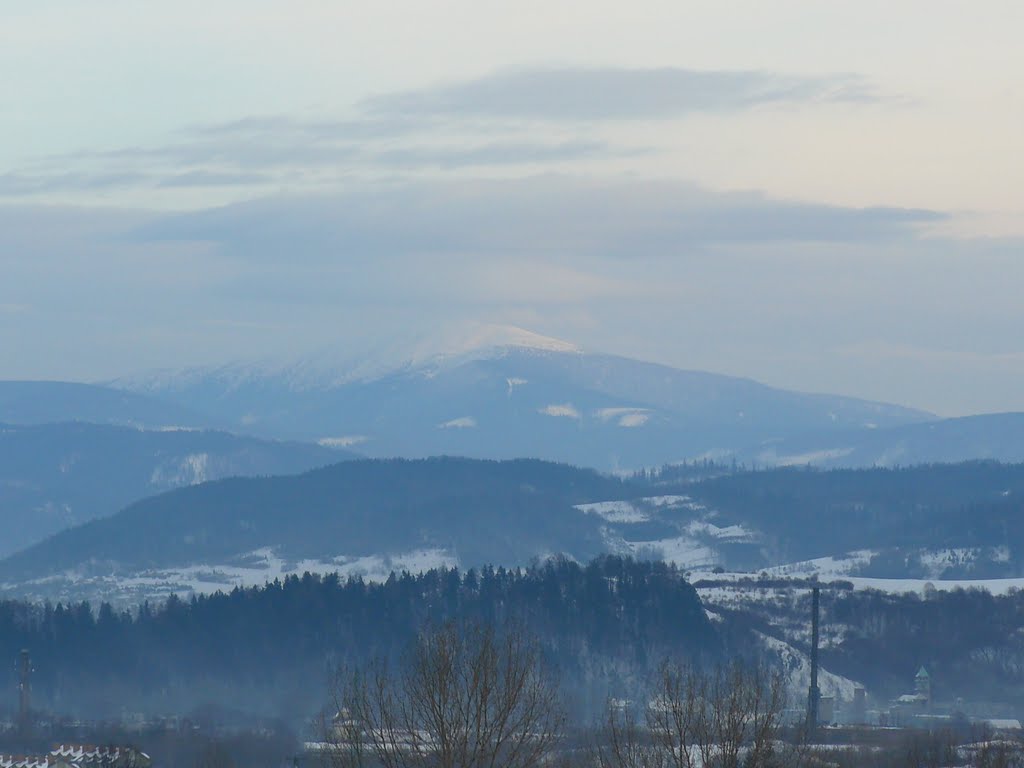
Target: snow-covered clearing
(732, 533)
(615, 511)
(832, 567)
(254, 569)
(921, 586)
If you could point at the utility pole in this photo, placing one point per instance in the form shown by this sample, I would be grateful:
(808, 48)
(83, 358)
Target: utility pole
(813, 693)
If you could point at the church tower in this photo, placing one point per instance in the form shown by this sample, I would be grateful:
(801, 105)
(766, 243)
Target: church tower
(923, 687)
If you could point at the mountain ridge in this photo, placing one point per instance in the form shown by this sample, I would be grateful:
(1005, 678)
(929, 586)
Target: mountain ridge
(57, 475)
(349, 508)
(31, 401)
(548, 399)
(372, 516)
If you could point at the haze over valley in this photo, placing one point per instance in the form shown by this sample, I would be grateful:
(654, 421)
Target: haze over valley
(534, 385)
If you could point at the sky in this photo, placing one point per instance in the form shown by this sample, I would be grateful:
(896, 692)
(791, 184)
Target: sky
(820, 196)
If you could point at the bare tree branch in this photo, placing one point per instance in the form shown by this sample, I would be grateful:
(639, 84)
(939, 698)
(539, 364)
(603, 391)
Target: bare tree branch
(464, 697)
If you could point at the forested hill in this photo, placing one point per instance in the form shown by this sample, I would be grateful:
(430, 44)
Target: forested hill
(603, 626)
(806, 513)
(52, 402)
(483, 511)
(54, 476)
(972, 642)
(372, 516)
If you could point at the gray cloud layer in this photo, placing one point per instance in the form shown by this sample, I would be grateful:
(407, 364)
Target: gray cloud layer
(479, 123)
(616, 94)
(547, 215)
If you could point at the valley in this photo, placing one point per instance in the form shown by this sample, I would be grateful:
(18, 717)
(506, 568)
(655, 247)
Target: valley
(145, 513)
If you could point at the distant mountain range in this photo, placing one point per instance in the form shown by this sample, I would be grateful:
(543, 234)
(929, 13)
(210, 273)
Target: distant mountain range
(74, 452)
(54, 476)
(50, 402)
(998, 436)
(505, 393)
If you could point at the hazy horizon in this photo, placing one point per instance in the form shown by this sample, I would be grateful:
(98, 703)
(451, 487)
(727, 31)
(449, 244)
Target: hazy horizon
(821, 199)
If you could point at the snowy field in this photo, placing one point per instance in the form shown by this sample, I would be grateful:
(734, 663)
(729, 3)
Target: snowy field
(828, 569)
(697, 539)
(254, 569)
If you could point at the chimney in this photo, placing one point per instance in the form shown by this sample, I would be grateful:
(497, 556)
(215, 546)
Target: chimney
(813, 693)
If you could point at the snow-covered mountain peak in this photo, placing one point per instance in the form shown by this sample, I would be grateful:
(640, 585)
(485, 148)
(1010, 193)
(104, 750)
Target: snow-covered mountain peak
(365, 359)
(475, 338)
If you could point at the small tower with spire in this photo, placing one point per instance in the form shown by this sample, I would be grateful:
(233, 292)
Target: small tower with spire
(923, 687)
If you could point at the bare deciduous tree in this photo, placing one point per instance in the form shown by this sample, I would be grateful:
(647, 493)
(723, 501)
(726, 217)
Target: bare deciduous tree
(465, 696)
(728, 717)
(626, 743)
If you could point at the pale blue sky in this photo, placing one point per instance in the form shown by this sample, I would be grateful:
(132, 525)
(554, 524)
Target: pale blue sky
(822, 196)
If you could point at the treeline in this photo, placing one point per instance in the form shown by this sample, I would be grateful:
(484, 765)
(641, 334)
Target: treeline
(806, 513)
(269, 650)
(487, 511)
(972, 642)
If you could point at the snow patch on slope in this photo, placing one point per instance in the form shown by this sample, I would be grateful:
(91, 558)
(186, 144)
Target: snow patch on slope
(673, 501)
(769, 458)
(624, 417)
(463, 422)
(615, 511)
(681, 551)
(827, 568)
(564, 410)
(797, 668)
(475, 337)
(359, 360)
(696, 541)
(935, 562)
(344, 441)
(187, 470)
(514, 382)
(732, 533)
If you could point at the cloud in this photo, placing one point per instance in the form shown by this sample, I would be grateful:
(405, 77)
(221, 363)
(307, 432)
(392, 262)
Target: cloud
(495, 153)
(226, 151)
(27, 184)
(222, 159)
(281, 127)
(213, 179)
(22, 184)
(616, 94)
(547, 216)
(480, 123)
